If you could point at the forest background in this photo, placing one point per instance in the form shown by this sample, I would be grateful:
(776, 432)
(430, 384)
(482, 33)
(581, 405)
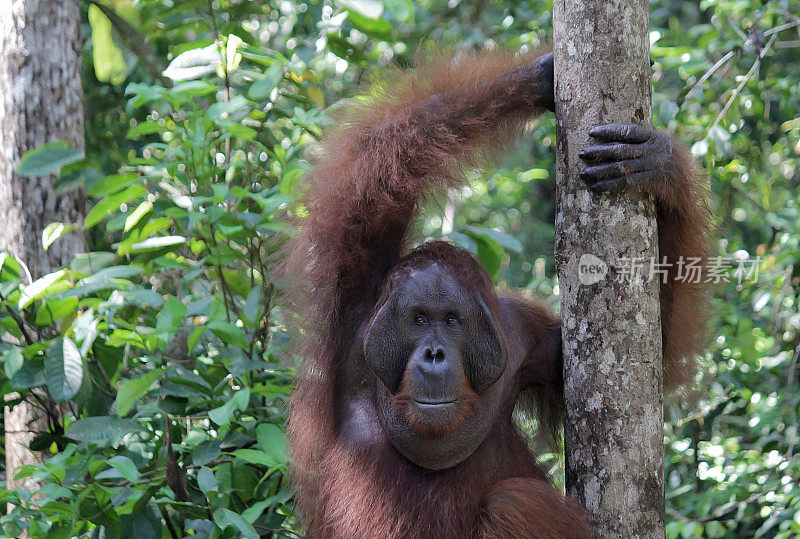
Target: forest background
(158, 357)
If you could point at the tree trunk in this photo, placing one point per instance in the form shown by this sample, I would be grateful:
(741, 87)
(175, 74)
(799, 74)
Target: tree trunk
(41, 100)
(612, 328)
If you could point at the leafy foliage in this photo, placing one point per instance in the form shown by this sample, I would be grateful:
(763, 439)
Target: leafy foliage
(159, 355)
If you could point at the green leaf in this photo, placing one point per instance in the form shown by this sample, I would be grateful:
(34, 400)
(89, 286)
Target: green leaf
(53, 310)
(48, 159)
(101, 429)
(28, 294)
(273, 441)
(159, 242)
(88, 263)
(63, 369)
(109, 62)
(252, 513)
(142, 524)
(111, 277)
(223, 415)
(171, 315)
(255, 456)
(229, 334)
(111, 204)
(31, 374)
(206, 480)
(52, 232)
(131, 390)
(109, 185)
(507, 241)
(137, 214)
(225, 517)
(262, 87)
(125, 466)
(205, 452)
(254, 304)
(12, 361)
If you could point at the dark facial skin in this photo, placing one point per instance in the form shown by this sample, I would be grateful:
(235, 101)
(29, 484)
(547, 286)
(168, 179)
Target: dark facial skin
(438, 354)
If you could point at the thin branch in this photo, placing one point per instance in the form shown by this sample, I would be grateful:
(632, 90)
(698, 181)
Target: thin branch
(739, 88)
(787, 44)
(719, 515)
(710, 72)
(782, 27)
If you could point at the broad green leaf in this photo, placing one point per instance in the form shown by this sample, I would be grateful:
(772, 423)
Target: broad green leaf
(206, 480)
(375, 27)
(255, 456)
(48, 159)
(52, 232)
(254, 304)
(31, 374)
(63, 369)
(194, 336)
(224, 414)
(159, 242)
(229, 333)
(125, 466)
(171, 315)
(252, 513)
(143, 523)
(12, 361)
(55, 309)
(85, 329)
(109, 185)
(507, 241)
(111, 204)
(146, 128)
(112, 277)
(262, 87)
(225, 517)
(109, 62)
(88, 263)
(28, 294)
(101, 429)
(273, 442)
(131, 390)
(205, 452)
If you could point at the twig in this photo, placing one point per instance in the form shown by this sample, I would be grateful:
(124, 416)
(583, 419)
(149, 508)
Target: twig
(782, 27)
(710, 72)
(789, 385)
(719, 515)
(738, 89)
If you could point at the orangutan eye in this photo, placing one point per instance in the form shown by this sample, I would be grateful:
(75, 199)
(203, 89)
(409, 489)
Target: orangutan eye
(420, 320)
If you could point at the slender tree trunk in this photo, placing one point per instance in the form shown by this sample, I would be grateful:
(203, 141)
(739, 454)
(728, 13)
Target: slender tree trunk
(41, 100)
(612, 328)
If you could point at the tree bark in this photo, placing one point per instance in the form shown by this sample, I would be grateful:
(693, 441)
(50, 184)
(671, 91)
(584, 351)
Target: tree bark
(41, 101)
(611, 328)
